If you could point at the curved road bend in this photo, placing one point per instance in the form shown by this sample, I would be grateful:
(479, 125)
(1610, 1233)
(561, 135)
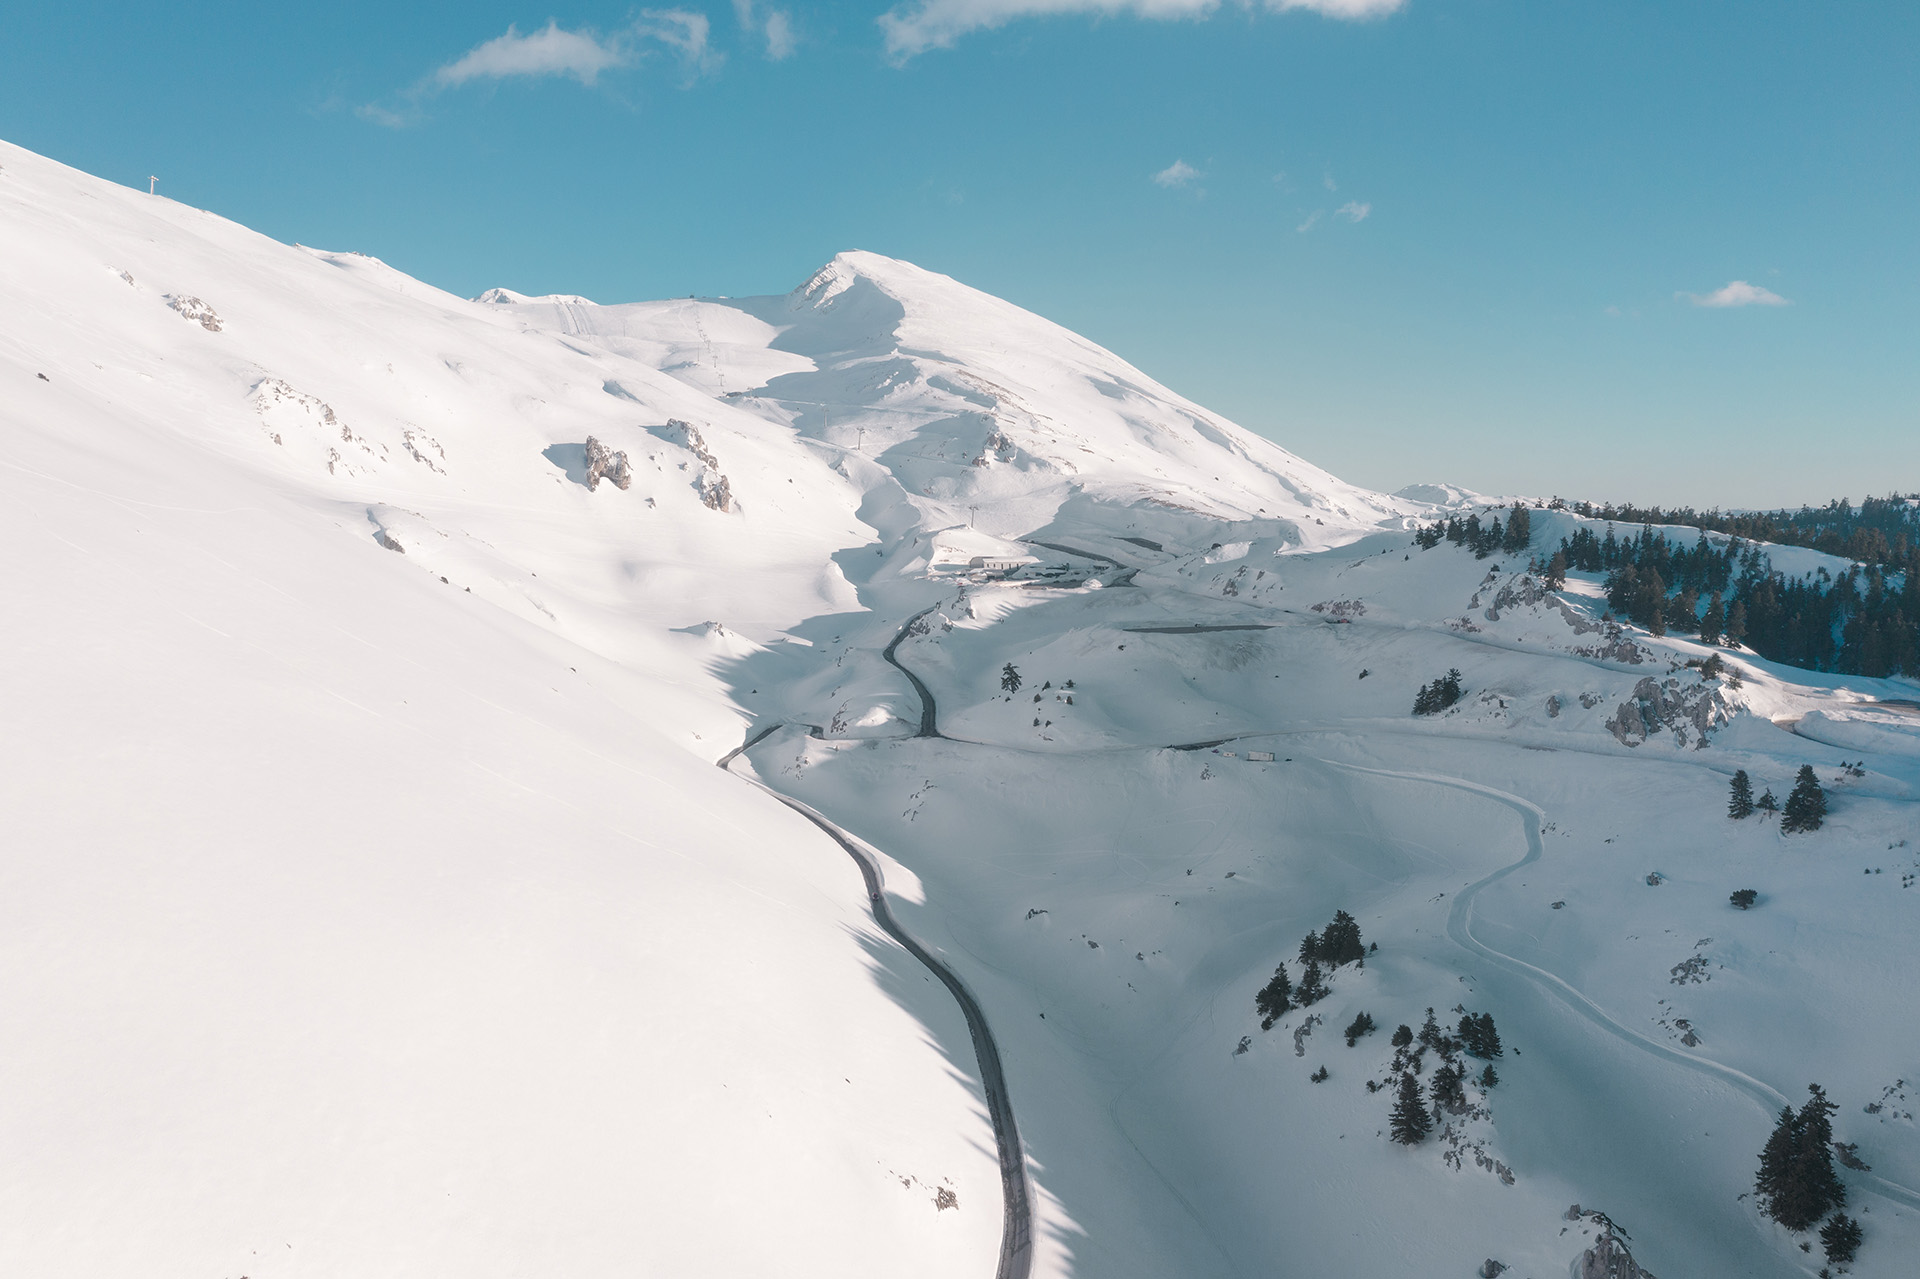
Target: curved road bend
(1016, 1222)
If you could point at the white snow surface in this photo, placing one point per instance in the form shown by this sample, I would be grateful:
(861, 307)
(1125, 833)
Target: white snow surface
(374, 908)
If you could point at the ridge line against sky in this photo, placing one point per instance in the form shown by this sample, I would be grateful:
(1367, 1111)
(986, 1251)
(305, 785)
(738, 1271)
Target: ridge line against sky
(1515, 247)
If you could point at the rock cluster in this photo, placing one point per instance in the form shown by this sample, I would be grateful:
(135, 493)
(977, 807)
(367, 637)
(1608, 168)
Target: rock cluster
(605, 463)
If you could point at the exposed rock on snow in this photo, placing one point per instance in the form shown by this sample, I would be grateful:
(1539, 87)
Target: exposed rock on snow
(603, 462)
(192, 308)
(715, 490)
(1688, 710)
(1608, 1259)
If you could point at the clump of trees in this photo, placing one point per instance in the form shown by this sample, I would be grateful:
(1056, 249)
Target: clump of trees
(1437, 696)
(1743, 898)
(1478, 1035)
(1796, 1182)
(1806, 803)
(1334, 946)
(1483, 539)
(1841, 1239)
(1362, 1024)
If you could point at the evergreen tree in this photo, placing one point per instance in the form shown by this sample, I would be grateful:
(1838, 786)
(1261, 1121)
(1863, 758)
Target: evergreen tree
(1275, 999)
(1410, 1123)
(1447, 1088)
(1403, 1036)
(1309, 948)
(1312, 988)
(1767, 803)
(1557, 571)
(1806, 803)
(1479, 1036)
(1430, 1031)
(1796, 1165)
(1736, 624)
(1488, 1078)
(1841, 1238)
(1715, 622)
(1741, 804)
(1340, 941)
(1360, 1025)
(1519, 530)
(1009, 678)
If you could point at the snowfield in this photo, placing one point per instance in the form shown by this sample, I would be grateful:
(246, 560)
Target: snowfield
(374, 907)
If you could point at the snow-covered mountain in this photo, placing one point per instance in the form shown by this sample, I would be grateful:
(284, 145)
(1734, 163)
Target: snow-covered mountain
(374, 906)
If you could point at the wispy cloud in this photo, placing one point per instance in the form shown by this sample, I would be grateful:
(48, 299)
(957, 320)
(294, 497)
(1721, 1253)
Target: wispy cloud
(1736, 293)
(581, 55)
(1353, 211)
(1313, 220)
(553, 51)
(1177, 174)
(775, 26)
(916, 26)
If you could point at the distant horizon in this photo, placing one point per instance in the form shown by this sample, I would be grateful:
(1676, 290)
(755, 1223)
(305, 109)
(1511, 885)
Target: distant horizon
(1632, 250)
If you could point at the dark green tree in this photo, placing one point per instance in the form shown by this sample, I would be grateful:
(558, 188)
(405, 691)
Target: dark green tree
(1403, 1036)
(1010, 678)
(1310, 948)
(1806, 803)
(1767, 803)
(1736, 624)
(1741, 803)
(1312, 988)
(1360, 1025)
(1447, 1088)
(1841, 1238)
(1557, 571)
(1275, 999)
(1479, 1036)
(1410, 1122)
(1340, 941)
(1715, 622)
(1488, 1078)
(1519, 530)
(1430, 1031)
(1743, 898)
(1796, 1165)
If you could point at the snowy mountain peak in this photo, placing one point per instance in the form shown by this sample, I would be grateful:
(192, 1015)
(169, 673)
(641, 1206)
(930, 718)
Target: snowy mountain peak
(507, 297)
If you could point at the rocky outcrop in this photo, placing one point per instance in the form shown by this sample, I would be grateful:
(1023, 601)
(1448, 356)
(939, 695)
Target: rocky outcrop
(192, 308)
(715, 490)
(1691, 712)
(1608, 1258)
(605, 463)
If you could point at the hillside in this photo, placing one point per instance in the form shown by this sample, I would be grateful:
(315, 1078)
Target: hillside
(376, 906)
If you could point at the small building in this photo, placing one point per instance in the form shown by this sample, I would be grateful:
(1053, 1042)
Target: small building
(1000, 563)
(1260, 757)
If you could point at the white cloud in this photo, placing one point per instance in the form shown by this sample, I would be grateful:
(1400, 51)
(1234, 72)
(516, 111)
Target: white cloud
(553, 51)
(1177, 174)
(1329, 183)
(775, 26)
(1737, 293)
(916, 26)
(1313, 219)
(683, 31)
(1353, 211)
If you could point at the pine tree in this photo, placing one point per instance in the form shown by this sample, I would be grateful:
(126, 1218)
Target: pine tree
(1309, 948)
(1488, 1078)
(1519, 530)
(1557, 571)
(1010, 678)
(1312, 989)
(1806, 804)
(1741, 803)
(1715, 622)
(1796, 1165)
(1340, 941)
(1360, 1025)
(1736, 624)
(1410, 1123)
(1767, 803)
(1447, 1089)
(1275, 999)
(1403, 1036)
(1479, 1036)
(1841, 1238)
(1430, 1031)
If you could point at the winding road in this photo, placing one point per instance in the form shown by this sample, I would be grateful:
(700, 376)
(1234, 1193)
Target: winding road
(1016, 1228)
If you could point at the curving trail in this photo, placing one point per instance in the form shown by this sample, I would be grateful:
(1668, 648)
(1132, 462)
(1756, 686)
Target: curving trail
(928, 726)
(1460, 929)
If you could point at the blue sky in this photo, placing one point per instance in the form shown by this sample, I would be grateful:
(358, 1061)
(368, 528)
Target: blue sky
(1459, 240)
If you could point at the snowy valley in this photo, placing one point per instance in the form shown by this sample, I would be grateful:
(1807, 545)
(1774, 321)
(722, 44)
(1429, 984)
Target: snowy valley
(376, 907)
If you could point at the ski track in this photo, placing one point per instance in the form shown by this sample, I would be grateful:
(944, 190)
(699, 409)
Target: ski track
(1460, 929)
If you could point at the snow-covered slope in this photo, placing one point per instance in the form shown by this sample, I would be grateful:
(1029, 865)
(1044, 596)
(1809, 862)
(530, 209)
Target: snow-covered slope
(374, 907)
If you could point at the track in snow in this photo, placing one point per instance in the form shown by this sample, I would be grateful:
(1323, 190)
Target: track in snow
(1460, 929)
